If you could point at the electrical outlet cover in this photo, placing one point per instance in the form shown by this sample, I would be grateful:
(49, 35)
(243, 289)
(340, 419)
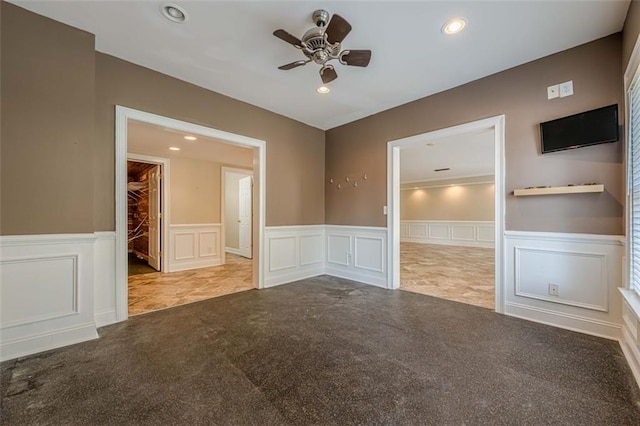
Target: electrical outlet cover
(553, 91)
(566, 88)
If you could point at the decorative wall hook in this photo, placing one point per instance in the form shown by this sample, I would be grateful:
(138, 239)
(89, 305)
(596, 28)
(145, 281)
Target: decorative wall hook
(339, 186)
(346, 179)
(355, 184)
(364, 177)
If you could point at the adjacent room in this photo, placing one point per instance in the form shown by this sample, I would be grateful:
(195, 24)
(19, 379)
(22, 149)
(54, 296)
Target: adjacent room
(447, 218)
(187, 215)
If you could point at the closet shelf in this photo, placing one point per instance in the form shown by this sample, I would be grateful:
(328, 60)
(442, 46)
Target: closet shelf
(556, 190)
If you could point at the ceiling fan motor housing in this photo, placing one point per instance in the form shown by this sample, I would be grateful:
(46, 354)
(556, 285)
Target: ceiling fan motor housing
(320, 18)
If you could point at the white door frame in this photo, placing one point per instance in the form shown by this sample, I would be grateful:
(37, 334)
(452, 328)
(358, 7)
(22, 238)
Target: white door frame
(223, 190)
(393, 196)
(124, 114)
(164, 164)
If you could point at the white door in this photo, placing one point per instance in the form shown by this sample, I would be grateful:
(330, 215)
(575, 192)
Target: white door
(244, 215)
(154, 217)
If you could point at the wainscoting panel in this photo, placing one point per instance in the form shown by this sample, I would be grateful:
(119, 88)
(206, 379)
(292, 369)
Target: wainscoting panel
(46, 292)
(104, 255)
(357, 253)
(293, 253)
(194, 246)
(566, 280)
(630, 340)
(460, 233)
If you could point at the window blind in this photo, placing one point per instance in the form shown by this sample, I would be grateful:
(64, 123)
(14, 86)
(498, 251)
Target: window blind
(634, 182)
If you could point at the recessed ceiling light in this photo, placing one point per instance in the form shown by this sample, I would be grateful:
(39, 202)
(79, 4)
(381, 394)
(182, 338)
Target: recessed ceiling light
(323, 90)
(190, 138)
(174, 148)
(454, 26)
(173, 12)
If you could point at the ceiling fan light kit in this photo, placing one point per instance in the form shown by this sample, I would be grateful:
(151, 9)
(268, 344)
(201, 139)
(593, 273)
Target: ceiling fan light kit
(323, 44)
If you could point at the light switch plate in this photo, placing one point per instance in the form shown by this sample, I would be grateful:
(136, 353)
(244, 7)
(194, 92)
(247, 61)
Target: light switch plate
(566, 88)
(553, 91)
(384, 209)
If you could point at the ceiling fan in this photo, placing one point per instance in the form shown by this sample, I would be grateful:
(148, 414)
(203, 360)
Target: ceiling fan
(322, 45)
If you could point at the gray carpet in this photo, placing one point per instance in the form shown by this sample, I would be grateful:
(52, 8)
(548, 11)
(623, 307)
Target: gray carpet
(325, 351)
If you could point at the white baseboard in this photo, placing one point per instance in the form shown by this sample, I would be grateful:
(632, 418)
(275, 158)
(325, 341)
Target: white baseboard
(232, 250)
(292, 277)
(185, 266)
(355, 276)
(605, 329)
(36, 343)
(106, 318)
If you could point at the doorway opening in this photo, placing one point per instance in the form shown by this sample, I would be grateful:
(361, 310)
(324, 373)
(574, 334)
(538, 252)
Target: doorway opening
(397, 231)
(447, 218)
(144, 214)
(237, 207)
(170, 225)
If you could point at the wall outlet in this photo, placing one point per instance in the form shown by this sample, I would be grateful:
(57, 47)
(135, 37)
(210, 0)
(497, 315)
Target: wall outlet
(553, 91)
(566, 88)
(348, 258)
(554, 289)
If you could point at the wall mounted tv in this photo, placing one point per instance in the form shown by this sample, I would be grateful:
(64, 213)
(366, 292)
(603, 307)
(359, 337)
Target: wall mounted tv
(575, 131)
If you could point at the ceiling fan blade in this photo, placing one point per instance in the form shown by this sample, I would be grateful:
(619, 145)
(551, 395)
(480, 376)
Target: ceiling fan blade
(328, 74)
(356, 58)
(292, 65)
(283, 35)
(337, 29)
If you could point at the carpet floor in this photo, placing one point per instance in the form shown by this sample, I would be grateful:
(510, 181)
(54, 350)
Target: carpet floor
(325, 351)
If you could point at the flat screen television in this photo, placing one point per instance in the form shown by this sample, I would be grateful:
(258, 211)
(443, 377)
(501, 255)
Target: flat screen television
(575, 131)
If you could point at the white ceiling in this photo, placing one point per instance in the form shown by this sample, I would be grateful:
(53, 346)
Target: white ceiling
(228, 46)
(466, 155)
(149, 139)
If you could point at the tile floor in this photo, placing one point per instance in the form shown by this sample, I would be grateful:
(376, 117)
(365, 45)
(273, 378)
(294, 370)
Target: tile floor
(461, 274)
(157, 290)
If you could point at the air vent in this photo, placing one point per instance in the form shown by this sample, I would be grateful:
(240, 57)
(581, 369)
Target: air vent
(442, 170)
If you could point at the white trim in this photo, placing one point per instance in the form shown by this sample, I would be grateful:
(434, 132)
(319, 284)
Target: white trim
(606, 329)
(165, 172)
(45, 239)
(293, 253)
(48, 285)
(420, 231)
(393, 196)
(232, 250)
(567, 237)
(124, 114)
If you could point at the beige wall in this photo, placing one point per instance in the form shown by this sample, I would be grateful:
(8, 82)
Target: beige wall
(295, 151)
(58, 119)
(459, 200)
(47, 125)
(195, 191)
(520, 94)
(630, 32)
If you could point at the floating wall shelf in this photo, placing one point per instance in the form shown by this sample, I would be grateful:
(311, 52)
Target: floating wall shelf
(556, 190)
